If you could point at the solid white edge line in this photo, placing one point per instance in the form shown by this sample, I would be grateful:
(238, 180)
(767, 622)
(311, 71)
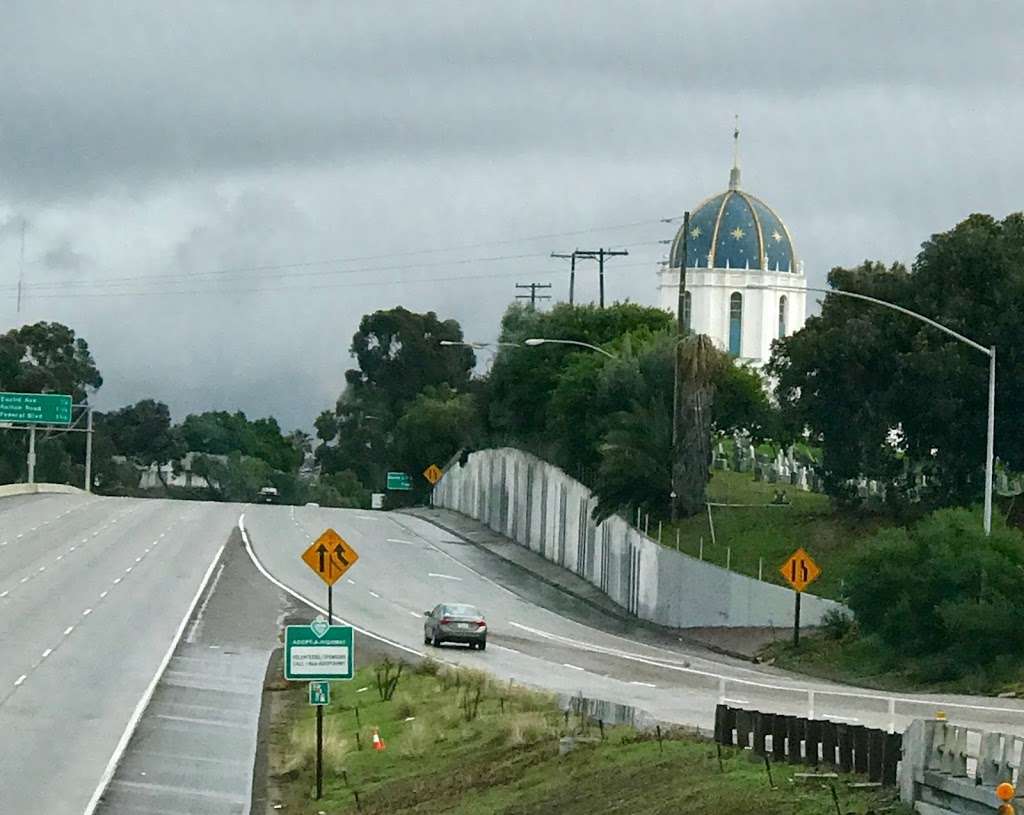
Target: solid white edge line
(256, 562)
(140, 708)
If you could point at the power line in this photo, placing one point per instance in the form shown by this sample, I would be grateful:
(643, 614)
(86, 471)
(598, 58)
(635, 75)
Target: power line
(192, 292)
(533, 297)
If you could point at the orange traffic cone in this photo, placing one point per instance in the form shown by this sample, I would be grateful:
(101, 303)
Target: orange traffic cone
(378, 742)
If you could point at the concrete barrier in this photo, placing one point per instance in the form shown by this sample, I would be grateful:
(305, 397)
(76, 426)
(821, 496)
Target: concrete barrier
(952, 770)
(537, 505)
(7, 490)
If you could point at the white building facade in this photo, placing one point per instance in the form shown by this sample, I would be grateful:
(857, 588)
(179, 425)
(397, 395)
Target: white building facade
(745, 286)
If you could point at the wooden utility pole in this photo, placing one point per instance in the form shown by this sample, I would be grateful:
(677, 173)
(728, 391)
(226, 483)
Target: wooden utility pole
(599, 255)
(572, 273)
(677, 400)
(533, 297)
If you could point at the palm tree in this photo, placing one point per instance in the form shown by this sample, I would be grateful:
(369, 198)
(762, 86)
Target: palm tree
(698, 363)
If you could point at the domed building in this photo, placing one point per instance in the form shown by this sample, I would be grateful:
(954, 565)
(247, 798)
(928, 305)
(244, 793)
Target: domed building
(744, 284)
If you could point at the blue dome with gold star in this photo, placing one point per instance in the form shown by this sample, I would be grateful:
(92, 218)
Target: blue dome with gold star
(735, 230)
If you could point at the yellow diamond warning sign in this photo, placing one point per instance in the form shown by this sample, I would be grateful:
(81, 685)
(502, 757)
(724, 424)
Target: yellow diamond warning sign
(800, 570)
(330, 556)
(433, 473)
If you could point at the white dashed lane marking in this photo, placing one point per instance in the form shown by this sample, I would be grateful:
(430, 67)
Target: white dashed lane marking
(87, 612)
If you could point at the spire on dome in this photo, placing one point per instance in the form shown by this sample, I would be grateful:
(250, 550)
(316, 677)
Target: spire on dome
(734, 173)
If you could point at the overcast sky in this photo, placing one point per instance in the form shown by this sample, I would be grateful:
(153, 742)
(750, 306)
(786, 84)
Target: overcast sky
(164, 155)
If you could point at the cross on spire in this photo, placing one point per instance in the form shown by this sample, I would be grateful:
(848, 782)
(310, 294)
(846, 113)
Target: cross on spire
(734, 173)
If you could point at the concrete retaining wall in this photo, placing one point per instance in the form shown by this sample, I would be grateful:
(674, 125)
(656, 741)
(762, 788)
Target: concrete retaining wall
(539, 506)
(32, 489)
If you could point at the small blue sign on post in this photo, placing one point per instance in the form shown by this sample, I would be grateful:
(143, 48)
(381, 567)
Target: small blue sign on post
(320, 693)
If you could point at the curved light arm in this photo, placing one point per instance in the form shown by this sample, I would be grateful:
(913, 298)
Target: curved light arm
(886, 304)
(535, 341)
(450, 343)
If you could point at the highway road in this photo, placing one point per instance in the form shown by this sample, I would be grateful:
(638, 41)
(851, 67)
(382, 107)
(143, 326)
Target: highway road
(408, 565)
(92, 592)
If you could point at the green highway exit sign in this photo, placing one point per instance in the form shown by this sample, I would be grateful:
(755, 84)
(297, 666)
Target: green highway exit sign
(318, 651)
(35, 408)
(399, 481)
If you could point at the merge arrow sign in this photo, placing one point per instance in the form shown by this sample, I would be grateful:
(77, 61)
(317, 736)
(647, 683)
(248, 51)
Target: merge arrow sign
(330, 556)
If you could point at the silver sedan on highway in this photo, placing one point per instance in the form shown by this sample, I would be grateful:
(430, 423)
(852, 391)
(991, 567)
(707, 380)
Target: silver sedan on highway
(455, 622)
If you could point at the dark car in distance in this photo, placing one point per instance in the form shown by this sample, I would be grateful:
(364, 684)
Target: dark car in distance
(455, 622)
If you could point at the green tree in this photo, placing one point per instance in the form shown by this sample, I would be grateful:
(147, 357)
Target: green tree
(436, 425)
(46, 358)
(399, 354)
(233, 477)
(142, 432)
(221, 433)
(700, 367)
(943, 589)
(890, 397)
(523, 381)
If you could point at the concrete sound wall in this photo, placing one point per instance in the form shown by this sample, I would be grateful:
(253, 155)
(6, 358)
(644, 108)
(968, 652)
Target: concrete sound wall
(32, 489)
(539, 506)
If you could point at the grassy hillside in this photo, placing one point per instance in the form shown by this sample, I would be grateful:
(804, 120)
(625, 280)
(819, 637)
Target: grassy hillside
(769, 534)
(461, 743)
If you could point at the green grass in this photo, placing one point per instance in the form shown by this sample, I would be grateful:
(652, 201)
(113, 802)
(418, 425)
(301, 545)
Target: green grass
(764, 536)
(505, 759)
(864, 661)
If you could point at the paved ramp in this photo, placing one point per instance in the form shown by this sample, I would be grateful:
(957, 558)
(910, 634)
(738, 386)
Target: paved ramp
(194, 748)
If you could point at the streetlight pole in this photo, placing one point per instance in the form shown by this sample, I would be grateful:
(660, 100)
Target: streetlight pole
(990, 352)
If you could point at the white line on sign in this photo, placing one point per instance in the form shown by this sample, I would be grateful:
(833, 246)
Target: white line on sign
(443, 576)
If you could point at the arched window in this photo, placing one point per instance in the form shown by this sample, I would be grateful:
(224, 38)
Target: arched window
(687, 311)
(735, 323)
(782, 316)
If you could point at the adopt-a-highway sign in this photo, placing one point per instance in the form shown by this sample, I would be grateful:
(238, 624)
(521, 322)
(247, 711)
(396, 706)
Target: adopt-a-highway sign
(318, 651)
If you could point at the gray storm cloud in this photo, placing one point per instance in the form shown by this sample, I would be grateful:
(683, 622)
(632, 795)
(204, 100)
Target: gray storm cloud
(164, 157)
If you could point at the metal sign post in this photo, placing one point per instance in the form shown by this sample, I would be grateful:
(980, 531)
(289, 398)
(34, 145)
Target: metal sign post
(322, 651)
